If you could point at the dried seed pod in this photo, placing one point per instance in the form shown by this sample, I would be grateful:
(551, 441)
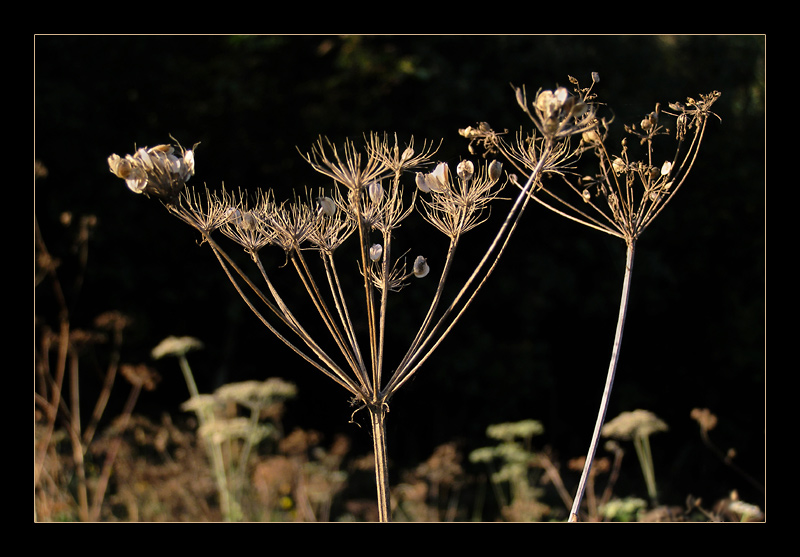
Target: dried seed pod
(326, 205)
(578, 109)
(441, 173)
(495, 170)
(407, 154)
(465, 170)
(422, 182)
(421, 268)
(375, 190)
(375, 252)
(248, 221)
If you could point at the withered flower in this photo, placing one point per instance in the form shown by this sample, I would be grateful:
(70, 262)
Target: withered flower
(156, 172)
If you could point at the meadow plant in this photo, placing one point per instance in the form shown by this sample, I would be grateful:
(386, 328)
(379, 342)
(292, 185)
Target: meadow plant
(707, 422)
(430, 492)
(367, 205)
(511, 464)
(75, 487)
(622, 196)
(637, 426)
(229, 438)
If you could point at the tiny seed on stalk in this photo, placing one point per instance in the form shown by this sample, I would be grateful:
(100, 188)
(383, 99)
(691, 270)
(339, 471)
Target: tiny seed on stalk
(421, 268)
(375, 192)
(465, 170)
(326, 205)
(495, 170)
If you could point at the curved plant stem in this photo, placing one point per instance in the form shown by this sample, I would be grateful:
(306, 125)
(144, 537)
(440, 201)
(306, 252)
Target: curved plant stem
(612, 368)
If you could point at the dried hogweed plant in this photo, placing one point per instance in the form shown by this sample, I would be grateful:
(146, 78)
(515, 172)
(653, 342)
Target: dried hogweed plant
(625, 193)
(366, 206)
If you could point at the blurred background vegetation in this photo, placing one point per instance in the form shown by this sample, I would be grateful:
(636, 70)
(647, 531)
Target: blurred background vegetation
(536, 343)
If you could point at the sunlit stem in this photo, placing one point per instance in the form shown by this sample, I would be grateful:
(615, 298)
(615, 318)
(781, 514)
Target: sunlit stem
(612, 368)
(377, 414)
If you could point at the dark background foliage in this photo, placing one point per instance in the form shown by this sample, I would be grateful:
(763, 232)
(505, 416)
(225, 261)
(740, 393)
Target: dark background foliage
(537, 341)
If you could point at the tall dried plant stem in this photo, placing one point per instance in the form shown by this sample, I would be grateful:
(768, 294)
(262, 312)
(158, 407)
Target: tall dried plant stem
(612, 368)
(377, 414)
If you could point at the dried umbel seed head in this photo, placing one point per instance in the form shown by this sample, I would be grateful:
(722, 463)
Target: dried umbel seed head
(156, 172)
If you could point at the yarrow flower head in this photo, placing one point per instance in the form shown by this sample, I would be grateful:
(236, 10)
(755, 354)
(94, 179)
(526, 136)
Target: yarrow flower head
(156, 172)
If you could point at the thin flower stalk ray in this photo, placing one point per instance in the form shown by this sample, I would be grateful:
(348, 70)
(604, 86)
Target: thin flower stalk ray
(332, 371)
(344, 315)
(416, 343)
(454, 211)
(501, 239)
(290, 319)
(314, 293)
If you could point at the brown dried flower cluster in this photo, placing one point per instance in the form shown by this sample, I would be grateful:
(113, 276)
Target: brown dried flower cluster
(156, 172)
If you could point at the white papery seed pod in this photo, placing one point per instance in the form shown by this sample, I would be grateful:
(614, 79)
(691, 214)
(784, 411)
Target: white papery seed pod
(327, 206)
(421, 268)
(465, 170)
(375, 190)
(495, 170)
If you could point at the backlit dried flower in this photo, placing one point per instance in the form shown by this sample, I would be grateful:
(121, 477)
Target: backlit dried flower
(434, 181)
(156, 172)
